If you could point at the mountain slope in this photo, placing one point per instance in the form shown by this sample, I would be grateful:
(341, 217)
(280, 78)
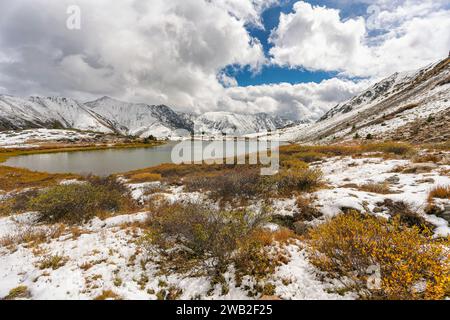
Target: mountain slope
(393, 105)
(137, 119)
(237, 124)
(52, 112)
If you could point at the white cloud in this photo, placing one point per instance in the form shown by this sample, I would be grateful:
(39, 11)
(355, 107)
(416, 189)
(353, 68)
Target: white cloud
(317, 38)
(305, 101)
(247, 10)
(173, 52)
(157, 51)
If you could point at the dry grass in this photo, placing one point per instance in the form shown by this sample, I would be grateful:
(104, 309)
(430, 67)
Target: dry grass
(397, 148)
(428, 157)
(52, 262)
(311, 152)
(20, 292)
(145, 177)
(30, 237)
(444, 146)
(242, 182)
(309, 156)
(58, 147)
(16, 178)
(381, 188)
(108, 295)
(440, 192)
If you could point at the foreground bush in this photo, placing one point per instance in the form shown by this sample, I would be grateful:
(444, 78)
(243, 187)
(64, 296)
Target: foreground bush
(292, 181)
(258, 255)
(203, 235)
(413, 265)
(240, 182)
(77, 203)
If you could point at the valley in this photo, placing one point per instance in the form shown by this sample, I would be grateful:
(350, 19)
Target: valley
(367, 187)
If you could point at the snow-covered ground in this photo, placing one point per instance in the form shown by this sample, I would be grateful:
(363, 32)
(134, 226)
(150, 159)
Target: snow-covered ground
(26, 138)
(105, 255)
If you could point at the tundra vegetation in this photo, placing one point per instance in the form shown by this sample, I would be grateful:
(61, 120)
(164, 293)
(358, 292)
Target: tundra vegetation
(234, 228)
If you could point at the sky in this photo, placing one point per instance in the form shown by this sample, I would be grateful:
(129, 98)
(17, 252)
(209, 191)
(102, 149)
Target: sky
(295, 59)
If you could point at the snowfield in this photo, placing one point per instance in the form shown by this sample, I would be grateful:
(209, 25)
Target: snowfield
(26, 138)
(105, 255)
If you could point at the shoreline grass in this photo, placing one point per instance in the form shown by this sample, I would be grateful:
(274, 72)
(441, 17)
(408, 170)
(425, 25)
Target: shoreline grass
(5, 154)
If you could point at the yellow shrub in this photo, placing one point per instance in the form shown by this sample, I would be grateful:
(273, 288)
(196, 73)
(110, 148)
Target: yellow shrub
(258, 256)
(292, 163)
(398, 148)
(409, 258)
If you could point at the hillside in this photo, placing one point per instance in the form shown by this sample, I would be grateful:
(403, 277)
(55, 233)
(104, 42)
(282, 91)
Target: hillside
(411, 106)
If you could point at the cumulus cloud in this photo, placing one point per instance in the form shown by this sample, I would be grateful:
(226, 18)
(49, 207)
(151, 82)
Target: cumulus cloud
(174, 52)
(411, 34)
(304, 101)
(247, 10)
(158, 51)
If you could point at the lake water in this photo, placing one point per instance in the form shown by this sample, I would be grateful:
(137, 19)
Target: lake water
(106, 162)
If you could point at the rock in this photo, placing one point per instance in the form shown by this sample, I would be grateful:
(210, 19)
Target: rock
(393, 180)
(420, 167)
(446, 212)
(427, 180)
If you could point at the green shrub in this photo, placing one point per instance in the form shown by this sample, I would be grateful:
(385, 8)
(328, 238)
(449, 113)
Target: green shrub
(291, 181)
(77, 203)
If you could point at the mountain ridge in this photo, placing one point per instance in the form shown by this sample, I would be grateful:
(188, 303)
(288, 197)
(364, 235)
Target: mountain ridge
(393, 108)
(109, 115)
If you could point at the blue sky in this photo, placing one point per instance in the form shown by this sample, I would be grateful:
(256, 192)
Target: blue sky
(273, 74)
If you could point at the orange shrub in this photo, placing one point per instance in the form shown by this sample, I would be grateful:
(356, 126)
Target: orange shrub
(441, 192)
(145, 177)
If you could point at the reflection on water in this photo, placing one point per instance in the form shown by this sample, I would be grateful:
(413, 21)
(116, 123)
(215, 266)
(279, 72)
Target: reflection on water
(105, 162)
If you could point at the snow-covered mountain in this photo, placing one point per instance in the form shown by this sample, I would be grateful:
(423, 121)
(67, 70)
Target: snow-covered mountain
(412, 106)
(109, 115)
(52, 112)
(237, 124)
(139, 119)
